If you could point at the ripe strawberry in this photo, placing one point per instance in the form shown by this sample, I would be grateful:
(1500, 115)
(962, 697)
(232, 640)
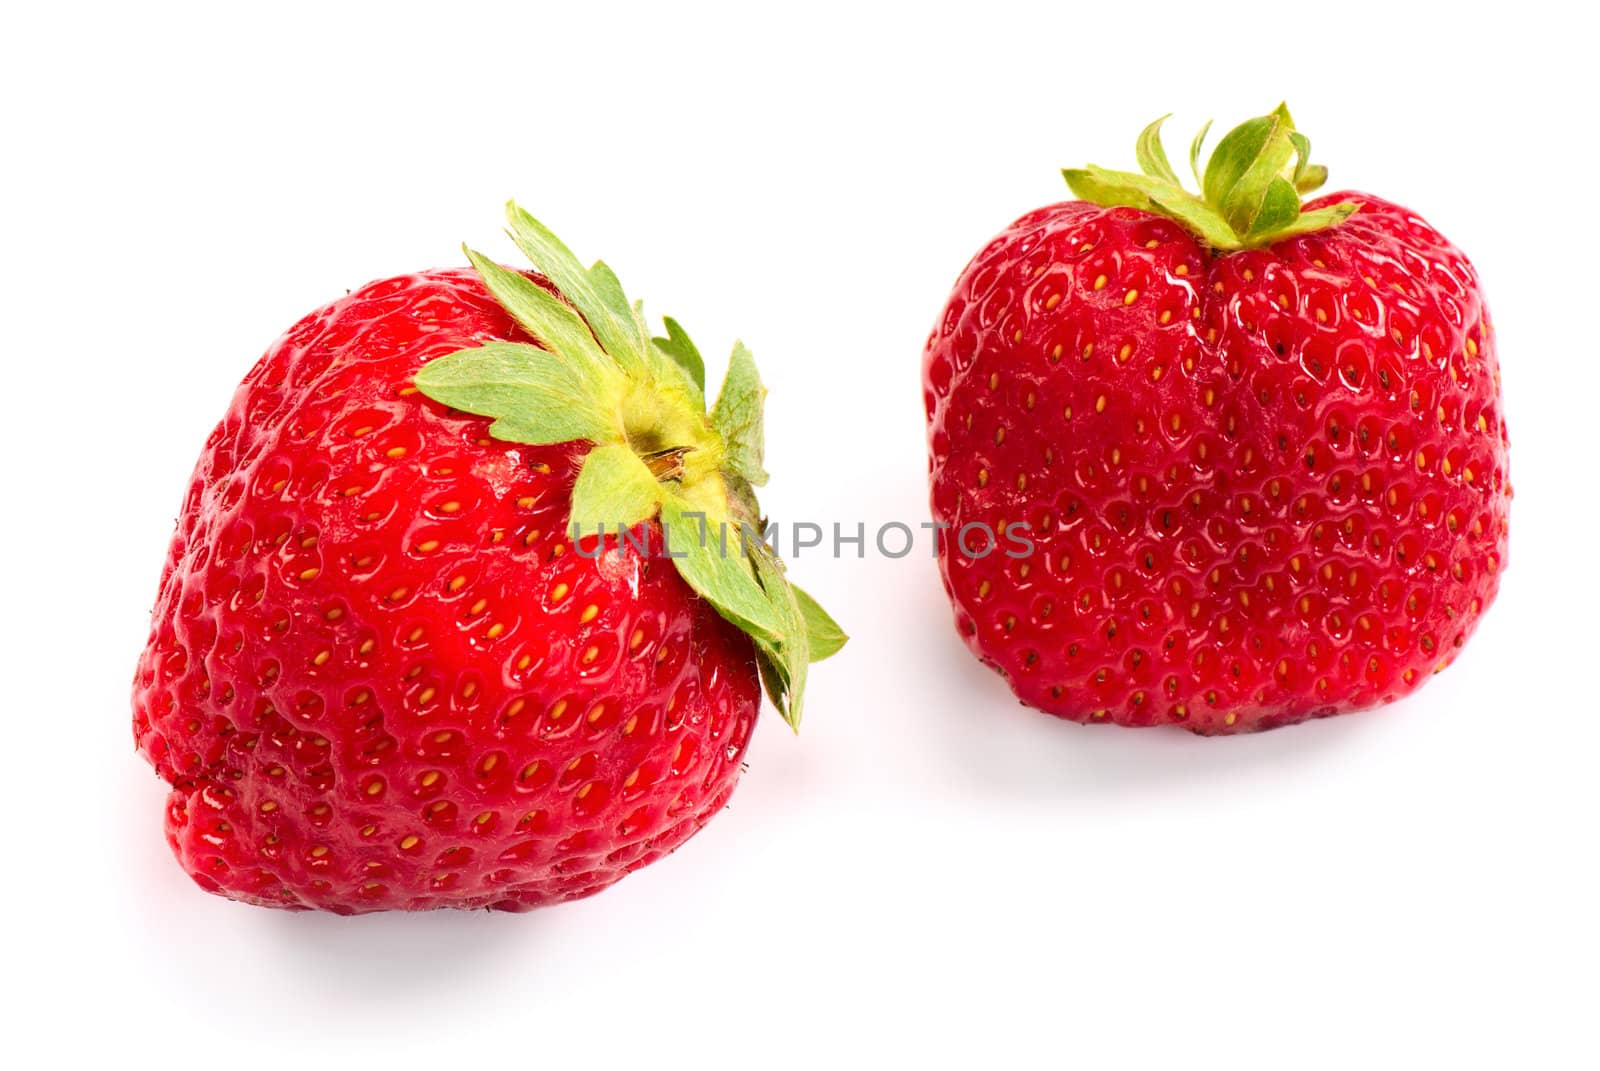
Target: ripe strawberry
(381, 673)
(1259, 449)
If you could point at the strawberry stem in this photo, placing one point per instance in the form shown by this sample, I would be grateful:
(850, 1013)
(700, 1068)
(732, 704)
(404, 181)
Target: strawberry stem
(1250, 190)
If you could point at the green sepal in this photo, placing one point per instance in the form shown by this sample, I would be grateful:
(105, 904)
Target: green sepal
(681, 349)
(1105, 187)
(614, 491)
(1311, 179)
(1243, 166)
(542, 314)
(708, 555)
(594, 295)
(1279, 207)
(1194, 152)
(823, 634)
(1250, 188)
(785, 660)
(1316, 220)
(535, 396)
(608, 288)
(737, 416)
(1152, 156)
(1307, 175)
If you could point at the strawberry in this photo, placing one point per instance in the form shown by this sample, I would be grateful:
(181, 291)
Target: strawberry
(1236, 461)
(414, 646)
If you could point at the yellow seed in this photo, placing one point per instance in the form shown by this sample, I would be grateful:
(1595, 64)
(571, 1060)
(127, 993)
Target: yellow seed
(1052, 301)
(430, 778)
(1100, 404)
(450, 507)
(495, 631)
(321, 657)
(1099, 282)
(559, 592)
(309, 574)
(427, 694)
(1130, 297)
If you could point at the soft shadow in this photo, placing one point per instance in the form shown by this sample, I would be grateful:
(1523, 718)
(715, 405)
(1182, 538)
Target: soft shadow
(981, 734)
(380, 958)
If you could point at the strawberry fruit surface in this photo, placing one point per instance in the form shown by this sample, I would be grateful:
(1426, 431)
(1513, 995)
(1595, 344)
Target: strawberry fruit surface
(1257, 447)
(383, 674)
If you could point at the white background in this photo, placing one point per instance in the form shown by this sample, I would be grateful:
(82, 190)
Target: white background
(929, 874)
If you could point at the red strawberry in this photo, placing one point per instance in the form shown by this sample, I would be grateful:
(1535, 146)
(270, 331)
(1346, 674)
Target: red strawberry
(381, 674)
(1258, 449)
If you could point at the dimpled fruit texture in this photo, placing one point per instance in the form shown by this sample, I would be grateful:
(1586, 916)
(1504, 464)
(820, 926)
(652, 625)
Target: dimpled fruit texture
(379, 676)
(1262, 487)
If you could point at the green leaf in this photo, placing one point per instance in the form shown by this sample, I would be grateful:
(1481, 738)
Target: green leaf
(1306, 222)
(823, 633)
(1244, 164)
(609, 289)
(678, 346)
(1279, 208)
(536, 396)
(785, 660)
(618, 332)
(614, 489)
(1104, 187)
(737, 416)
(1194, 153)
(1311, 179)
(1152, 157)
(543, 315)
(711, 561)
(1307, 175)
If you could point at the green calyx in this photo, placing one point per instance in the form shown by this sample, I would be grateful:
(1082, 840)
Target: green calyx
(596, 375)
(1249, 192)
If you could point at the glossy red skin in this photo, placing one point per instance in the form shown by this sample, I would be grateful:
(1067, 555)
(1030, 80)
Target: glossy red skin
(1274, 488)
(355, 719)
